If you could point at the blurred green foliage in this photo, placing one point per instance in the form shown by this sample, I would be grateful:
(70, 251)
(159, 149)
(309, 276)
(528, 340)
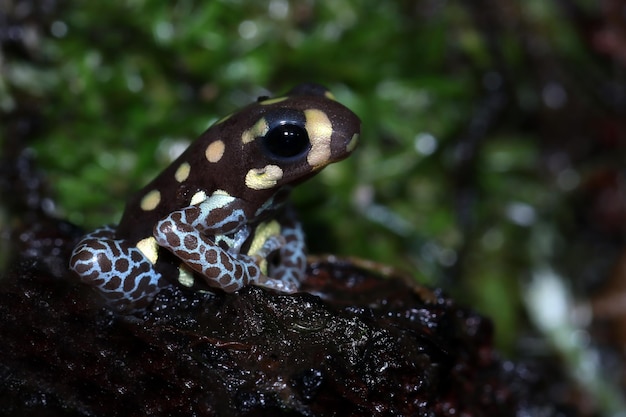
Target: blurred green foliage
(448, 183)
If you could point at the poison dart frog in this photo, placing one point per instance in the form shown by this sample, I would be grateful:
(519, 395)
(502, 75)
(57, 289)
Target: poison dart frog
(218, 216)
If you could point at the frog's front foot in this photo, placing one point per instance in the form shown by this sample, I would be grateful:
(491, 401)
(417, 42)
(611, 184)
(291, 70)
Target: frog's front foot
(280, 285)
(219, 268)
(118, 270)
(269, 257)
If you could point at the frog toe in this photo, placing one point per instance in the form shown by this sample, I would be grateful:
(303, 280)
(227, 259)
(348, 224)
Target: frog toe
(280, 285)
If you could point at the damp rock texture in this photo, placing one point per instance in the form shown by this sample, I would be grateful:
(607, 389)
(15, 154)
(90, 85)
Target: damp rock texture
(355, 342)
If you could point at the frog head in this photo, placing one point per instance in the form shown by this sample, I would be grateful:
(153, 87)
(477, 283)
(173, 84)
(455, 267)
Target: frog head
(281, 142)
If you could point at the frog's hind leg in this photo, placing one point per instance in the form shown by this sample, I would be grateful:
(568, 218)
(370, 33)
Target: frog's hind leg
(119, 271)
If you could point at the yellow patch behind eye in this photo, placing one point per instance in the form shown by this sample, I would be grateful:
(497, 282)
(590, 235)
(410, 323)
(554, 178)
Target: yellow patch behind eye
(260, 128)
(215, 151)
(151, 200)
(320, 132)
(149, 248)
(182, 173)
(273, 100)
(263, 178)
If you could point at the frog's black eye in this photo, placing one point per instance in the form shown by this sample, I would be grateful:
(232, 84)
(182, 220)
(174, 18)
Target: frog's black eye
(287, 140)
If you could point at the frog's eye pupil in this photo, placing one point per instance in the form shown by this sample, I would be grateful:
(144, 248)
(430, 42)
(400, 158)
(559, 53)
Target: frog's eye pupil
(287, 140)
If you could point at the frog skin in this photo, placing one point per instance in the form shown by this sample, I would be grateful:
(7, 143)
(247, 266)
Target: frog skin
(218, 216)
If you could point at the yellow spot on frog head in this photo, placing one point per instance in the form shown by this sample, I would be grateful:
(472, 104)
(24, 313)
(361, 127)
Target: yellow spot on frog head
(273, 100)
(149, 248)
(260, 128)
(151, 200)
(197, 198)
(320, 132)
(353, 142)
(263, 178)
(182, 173)
(330, 96)
(215, 151)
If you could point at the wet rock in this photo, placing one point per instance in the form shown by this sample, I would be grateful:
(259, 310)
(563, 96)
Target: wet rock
(354, 342)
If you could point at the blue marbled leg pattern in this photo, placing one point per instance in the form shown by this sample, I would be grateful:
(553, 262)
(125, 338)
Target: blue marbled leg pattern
(119, 271)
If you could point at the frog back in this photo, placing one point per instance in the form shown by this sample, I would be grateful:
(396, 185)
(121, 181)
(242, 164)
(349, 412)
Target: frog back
(253, 154)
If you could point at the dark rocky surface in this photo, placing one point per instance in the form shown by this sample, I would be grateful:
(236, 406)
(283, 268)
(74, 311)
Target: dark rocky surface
(354, 342)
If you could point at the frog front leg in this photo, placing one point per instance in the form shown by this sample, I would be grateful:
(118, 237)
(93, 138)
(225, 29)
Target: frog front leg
(189, 234)
(117, 269)
(279, 245)
(292, 254)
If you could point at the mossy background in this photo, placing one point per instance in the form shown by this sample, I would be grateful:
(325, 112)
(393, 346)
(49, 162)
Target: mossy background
(482, 122)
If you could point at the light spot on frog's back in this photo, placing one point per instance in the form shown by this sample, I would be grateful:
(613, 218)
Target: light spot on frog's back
(151, 200)
(182, 173)
(215, 151)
